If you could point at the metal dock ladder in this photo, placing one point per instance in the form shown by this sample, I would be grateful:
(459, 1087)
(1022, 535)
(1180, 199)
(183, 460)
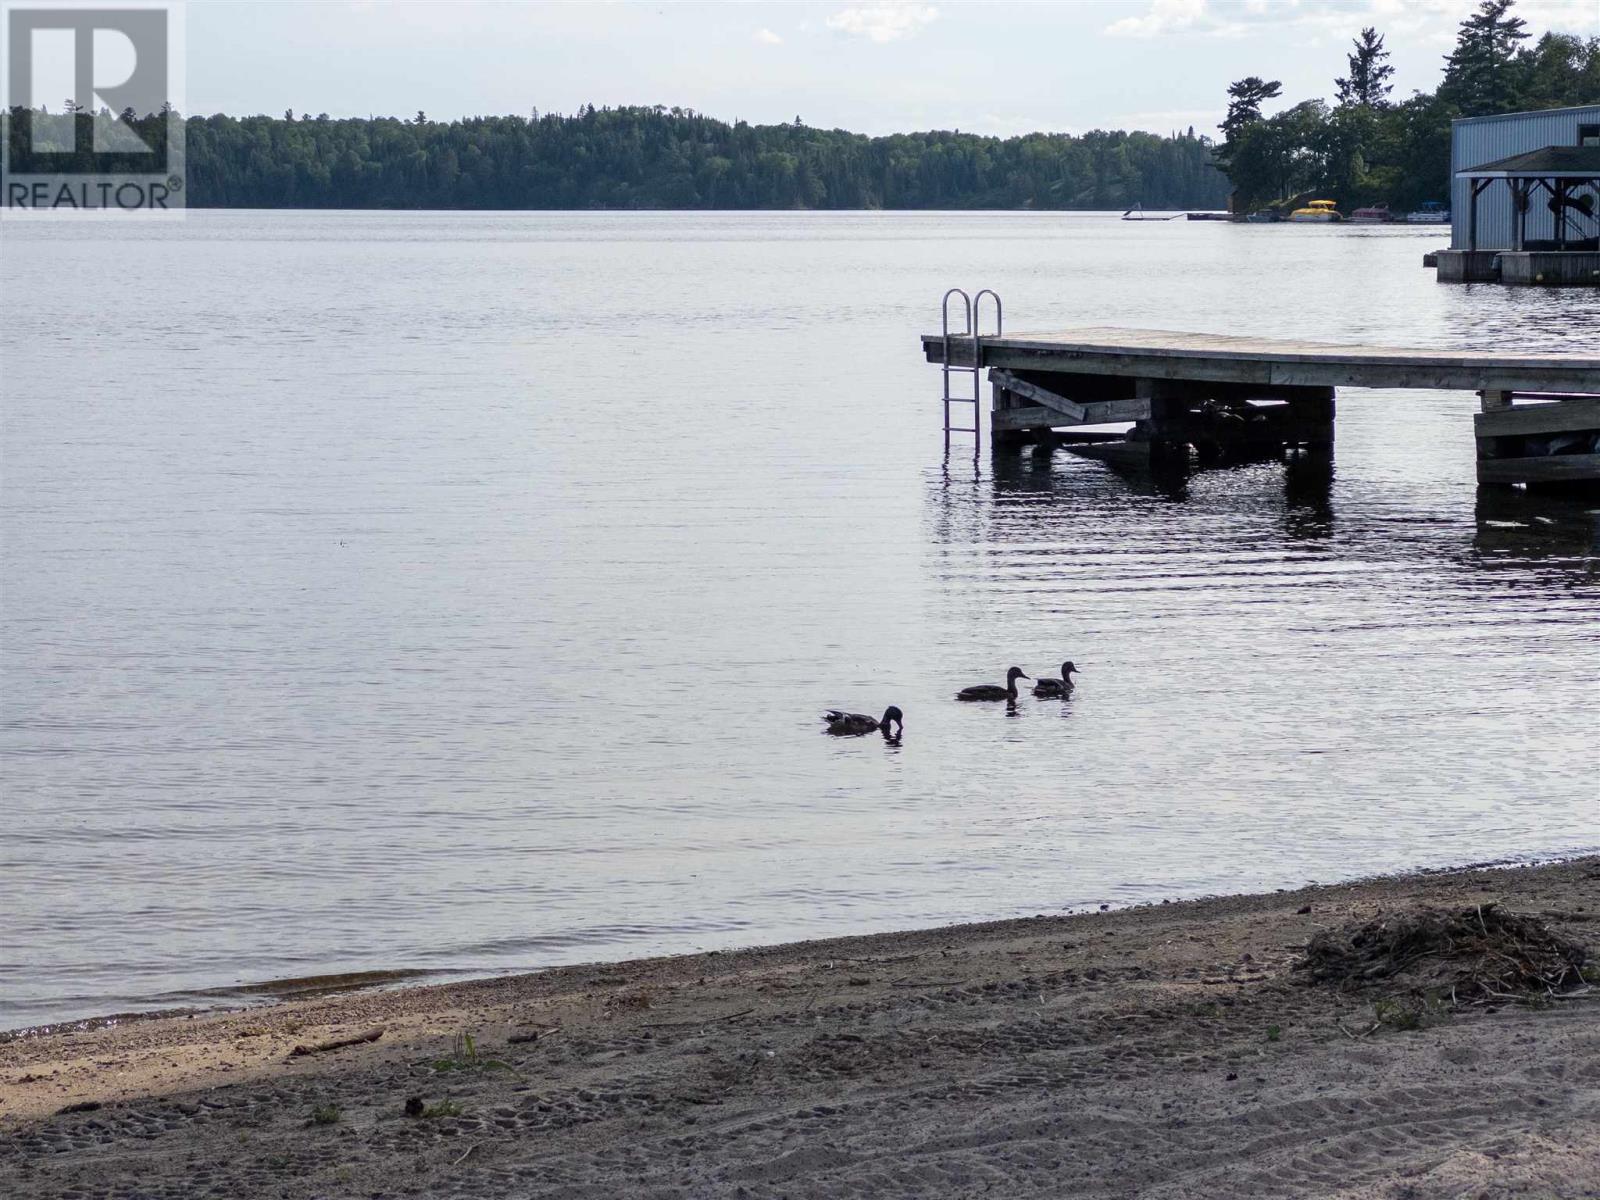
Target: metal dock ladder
(971, 311)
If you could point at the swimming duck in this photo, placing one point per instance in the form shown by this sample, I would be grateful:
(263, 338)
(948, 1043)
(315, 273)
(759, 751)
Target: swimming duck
(993, 691)
(843, 724)
(1056, 687)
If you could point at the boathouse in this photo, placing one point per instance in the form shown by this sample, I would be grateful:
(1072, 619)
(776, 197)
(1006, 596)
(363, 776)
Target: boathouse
(1525, 198)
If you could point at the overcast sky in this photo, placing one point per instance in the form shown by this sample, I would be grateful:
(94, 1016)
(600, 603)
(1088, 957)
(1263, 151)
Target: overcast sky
(999, 68)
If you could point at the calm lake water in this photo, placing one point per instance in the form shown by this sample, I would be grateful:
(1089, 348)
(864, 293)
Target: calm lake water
(459, 591)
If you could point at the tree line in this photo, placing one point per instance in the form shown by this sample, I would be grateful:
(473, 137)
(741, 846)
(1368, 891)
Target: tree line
(1367, 148)
(648, 157)
(656, 157)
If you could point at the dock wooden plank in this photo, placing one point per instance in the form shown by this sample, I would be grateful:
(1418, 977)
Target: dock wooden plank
(1039, 395)
(1168, 354)
(1565, 416)
(1006, 420)
(1553, 468)
(1095, 412)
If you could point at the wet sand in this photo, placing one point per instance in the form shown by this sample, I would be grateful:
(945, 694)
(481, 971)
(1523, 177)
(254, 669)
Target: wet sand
(1158, 1052)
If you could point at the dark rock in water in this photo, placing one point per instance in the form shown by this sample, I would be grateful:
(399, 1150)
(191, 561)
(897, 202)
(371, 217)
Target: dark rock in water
(1302, 910)
(414, 1106)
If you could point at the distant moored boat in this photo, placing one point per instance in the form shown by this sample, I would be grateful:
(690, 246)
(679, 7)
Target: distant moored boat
(1431, 213)
(1378, 214)
(1317, 210)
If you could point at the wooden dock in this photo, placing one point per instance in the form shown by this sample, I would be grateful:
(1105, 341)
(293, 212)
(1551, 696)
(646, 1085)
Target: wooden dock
(1225, 397)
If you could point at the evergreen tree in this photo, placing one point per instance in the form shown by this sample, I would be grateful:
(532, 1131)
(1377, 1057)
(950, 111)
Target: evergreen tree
(1368, 84)
(1244, 103)
(1480, 74)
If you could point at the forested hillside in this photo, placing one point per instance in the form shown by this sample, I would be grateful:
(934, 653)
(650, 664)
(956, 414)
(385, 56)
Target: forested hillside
(671, 158)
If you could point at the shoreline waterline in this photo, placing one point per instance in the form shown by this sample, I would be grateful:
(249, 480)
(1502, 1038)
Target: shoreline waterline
(1178, 1050)
(246, 997)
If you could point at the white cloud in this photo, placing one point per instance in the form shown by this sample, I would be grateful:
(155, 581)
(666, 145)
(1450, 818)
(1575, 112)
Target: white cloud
(1569, 16)
(1431, 19)
(883, 22)
(1165, 16)
(767, 38)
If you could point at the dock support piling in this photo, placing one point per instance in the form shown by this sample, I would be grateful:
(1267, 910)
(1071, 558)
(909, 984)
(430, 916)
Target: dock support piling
(1548, 440)
(1223, 422)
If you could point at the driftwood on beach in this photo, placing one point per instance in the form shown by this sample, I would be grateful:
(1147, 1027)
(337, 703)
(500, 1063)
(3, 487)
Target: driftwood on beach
(371, 1035)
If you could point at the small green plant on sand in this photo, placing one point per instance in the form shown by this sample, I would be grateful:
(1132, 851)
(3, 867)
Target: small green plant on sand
(442, 1108)
(1274, 1033)
(325, 1114)
(464, 1057)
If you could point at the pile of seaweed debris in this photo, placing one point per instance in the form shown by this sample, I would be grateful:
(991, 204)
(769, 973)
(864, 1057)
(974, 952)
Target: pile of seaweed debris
(1475, 955)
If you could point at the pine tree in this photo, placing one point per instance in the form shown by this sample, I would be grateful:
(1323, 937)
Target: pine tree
(1480, 74)
(1368, 82)
(1244, 103)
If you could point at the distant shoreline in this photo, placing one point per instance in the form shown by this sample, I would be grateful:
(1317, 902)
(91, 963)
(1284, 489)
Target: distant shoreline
(645, 157)
(780, 212)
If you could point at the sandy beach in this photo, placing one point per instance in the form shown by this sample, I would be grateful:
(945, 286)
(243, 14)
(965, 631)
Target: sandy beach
(1166, 1051)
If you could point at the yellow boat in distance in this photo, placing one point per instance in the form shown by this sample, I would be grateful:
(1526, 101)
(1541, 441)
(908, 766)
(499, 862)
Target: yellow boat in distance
(1317, 210)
